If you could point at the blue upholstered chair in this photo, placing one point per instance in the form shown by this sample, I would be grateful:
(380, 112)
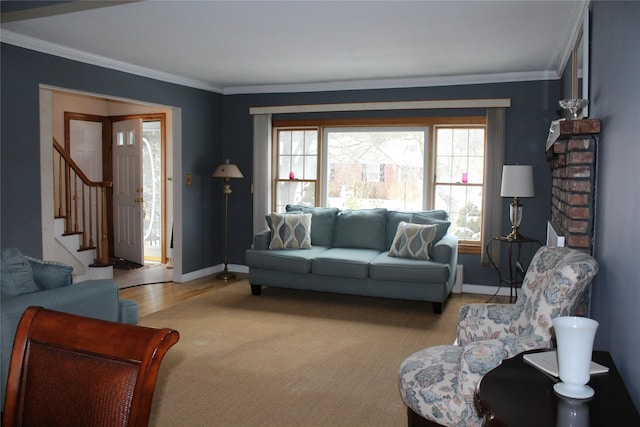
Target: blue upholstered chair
(26, 281)
(438, 383)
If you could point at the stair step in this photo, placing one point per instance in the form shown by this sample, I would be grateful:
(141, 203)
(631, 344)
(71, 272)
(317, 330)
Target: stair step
(100, 265)
(72, 233)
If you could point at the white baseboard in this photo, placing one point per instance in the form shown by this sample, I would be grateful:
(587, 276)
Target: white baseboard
(193, 275)
(239, 268)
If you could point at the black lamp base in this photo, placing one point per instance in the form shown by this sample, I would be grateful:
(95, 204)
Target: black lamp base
(225, 275)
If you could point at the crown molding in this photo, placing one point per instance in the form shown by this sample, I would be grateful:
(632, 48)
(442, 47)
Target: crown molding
(396, 83)
(101, 61)
(574, 31)
(38, 45)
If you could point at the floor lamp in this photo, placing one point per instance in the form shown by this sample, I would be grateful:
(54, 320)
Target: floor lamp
(226, 171)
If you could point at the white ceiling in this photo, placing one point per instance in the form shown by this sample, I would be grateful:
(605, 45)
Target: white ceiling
(282, 46)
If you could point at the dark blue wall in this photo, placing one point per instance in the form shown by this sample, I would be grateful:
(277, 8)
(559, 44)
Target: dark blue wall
(615, 96)
(534, 105)
(23, 70)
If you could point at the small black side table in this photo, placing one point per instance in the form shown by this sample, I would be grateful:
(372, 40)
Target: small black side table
(516, 394)
(516, 269)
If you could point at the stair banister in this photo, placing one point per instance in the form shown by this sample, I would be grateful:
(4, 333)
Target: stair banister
(66, 201)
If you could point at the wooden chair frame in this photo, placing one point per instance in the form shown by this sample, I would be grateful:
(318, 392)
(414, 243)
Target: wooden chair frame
(71, 370)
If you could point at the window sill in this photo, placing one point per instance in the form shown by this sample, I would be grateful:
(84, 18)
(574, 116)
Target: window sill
(469, 248)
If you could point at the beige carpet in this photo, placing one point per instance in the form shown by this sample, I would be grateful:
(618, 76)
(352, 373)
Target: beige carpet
(291, 358)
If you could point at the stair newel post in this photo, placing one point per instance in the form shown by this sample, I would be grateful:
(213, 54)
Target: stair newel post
(68, 226)
(104, 242)
(84, 214)
(75, 203)
(91, 244)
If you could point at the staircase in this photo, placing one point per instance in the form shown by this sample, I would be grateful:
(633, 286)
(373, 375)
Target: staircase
(80, 224)
(82, 261)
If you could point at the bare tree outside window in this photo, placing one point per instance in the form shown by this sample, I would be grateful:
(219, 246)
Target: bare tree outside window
(438, 165)
(369, 168)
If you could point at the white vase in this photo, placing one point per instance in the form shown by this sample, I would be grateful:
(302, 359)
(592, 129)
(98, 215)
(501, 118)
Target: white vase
(574, 338)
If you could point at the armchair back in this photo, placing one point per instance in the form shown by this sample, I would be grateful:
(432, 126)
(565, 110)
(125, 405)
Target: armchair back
(553, 286)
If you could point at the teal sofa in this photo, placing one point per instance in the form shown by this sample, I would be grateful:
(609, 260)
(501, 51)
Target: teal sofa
(349, 254)
(26, 281)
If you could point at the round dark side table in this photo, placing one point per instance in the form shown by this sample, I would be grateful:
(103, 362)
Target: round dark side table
(516, 394)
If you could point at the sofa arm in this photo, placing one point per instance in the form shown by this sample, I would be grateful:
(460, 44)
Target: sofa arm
(486, 321)
(525, 342)
(262, 239)
(446, 250)
(478, 358)
(128, 311)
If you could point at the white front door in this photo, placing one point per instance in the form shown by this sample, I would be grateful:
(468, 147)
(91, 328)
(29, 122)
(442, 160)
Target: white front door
(128, 191)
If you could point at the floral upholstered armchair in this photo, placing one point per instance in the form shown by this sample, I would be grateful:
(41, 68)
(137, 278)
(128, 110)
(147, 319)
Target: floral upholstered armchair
(438, 383)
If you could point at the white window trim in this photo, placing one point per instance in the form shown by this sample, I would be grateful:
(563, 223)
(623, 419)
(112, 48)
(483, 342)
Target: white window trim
(377, 106)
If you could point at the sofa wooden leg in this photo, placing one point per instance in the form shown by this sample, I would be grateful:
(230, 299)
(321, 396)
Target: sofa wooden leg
(437, 307)
(256, 289)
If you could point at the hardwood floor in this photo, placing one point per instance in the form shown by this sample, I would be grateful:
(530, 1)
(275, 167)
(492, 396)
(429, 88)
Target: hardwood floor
(158, 296)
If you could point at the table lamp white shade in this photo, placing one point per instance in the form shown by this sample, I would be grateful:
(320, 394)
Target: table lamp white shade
(517, 181)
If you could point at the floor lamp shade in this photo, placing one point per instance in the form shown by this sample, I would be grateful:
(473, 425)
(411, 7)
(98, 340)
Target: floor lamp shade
(517, 181)
(227, 171)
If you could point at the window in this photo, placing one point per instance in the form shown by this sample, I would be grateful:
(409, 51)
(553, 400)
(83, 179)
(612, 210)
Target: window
(429, 163)
(297, 167)
(459, 177)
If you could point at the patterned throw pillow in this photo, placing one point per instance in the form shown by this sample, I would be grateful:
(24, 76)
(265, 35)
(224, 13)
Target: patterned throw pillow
(290, 231)
(413, 240)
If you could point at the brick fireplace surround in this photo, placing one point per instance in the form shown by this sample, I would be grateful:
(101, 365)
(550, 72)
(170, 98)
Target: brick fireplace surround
(572, 158)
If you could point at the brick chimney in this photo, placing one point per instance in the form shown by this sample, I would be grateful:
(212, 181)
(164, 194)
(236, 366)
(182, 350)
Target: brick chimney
(572, 158)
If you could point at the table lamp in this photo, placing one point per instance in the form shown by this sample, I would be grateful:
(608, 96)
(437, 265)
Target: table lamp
(517, 181)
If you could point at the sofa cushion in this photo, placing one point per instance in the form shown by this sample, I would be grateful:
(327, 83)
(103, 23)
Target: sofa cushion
(394, 218)
(267, 218)
(413, 240)
(16, 275)
(443, 227)
(344, 262)
(290, 231)
(50, 274)
(384, 267)
(289, 260)
(363, 228)
(323, 222)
